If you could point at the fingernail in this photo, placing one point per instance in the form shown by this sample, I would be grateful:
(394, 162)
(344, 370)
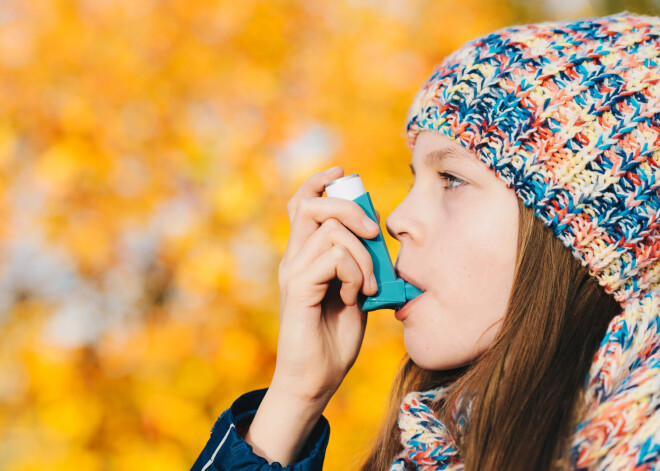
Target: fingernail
(372, 282)
(330, 170)
(369, 224)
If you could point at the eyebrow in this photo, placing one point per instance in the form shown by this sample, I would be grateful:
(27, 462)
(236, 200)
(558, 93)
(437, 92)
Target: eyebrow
(437, 156)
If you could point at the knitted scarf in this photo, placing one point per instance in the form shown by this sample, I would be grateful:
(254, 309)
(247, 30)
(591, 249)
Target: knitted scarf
(620, 425)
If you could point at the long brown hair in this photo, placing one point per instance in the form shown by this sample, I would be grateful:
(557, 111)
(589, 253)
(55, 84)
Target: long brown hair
(525, 388)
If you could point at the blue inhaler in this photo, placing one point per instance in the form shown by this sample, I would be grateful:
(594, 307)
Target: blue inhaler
(393, 292)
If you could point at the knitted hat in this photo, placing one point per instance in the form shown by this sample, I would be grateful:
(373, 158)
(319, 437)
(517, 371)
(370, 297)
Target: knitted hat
(568, 115)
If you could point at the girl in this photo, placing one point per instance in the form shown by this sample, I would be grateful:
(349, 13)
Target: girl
(533, 229)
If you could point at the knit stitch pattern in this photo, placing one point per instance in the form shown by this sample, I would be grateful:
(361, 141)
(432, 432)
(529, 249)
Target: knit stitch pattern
(430, 444)
(567, 114)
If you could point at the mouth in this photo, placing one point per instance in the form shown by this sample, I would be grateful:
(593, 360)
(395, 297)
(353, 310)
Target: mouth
(402, 313)
(406, 277)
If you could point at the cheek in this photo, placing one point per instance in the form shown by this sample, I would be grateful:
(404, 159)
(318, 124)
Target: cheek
(460, 320)
(485, 230)
(474, 259)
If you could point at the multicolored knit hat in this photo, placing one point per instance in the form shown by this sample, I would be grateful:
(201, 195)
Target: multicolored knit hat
(568, 115)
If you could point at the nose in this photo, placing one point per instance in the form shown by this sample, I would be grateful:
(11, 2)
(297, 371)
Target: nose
(404, 223)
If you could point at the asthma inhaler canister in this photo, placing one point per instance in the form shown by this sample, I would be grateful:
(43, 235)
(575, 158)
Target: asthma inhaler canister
(393, 292)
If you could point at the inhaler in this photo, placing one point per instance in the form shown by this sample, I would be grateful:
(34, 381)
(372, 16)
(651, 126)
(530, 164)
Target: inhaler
(393, 292)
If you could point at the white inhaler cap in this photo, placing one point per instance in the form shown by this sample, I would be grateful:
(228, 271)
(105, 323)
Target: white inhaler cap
(347, 188)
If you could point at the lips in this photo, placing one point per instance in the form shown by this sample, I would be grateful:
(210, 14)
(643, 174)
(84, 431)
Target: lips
(406, 277)
(402, 313)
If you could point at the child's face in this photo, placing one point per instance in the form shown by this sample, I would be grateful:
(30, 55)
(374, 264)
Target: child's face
(459, 245)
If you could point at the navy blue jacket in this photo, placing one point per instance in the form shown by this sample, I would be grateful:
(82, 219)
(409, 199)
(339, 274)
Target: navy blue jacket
(226, 450)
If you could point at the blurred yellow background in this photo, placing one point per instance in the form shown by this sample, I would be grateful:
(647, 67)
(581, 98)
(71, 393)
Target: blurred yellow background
(147, 152)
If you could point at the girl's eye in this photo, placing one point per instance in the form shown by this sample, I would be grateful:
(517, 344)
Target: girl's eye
(450, 179)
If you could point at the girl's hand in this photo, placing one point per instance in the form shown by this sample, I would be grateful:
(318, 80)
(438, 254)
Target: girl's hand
(321, 327)
(323, 269)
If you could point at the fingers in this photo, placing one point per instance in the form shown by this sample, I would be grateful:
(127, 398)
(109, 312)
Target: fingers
(314, 211)
(336, 262)
(333, 233)
(323, 245)
(313, 186)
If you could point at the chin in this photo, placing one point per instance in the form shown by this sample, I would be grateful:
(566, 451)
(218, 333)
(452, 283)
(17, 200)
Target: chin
(426, 359)
(439, 366)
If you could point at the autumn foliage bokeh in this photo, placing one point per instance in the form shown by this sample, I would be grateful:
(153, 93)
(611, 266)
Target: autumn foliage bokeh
(147, 152)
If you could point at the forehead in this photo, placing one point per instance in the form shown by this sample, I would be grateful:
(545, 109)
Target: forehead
(432, 148)
(445, 154)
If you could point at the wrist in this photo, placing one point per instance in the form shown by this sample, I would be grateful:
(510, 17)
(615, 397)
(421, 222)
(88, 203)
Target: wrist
(287, 389)
(282, 425)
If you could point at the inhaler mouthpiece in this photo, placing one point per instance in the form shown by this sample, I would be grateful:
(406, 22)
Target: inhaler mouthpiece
(393, 292)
